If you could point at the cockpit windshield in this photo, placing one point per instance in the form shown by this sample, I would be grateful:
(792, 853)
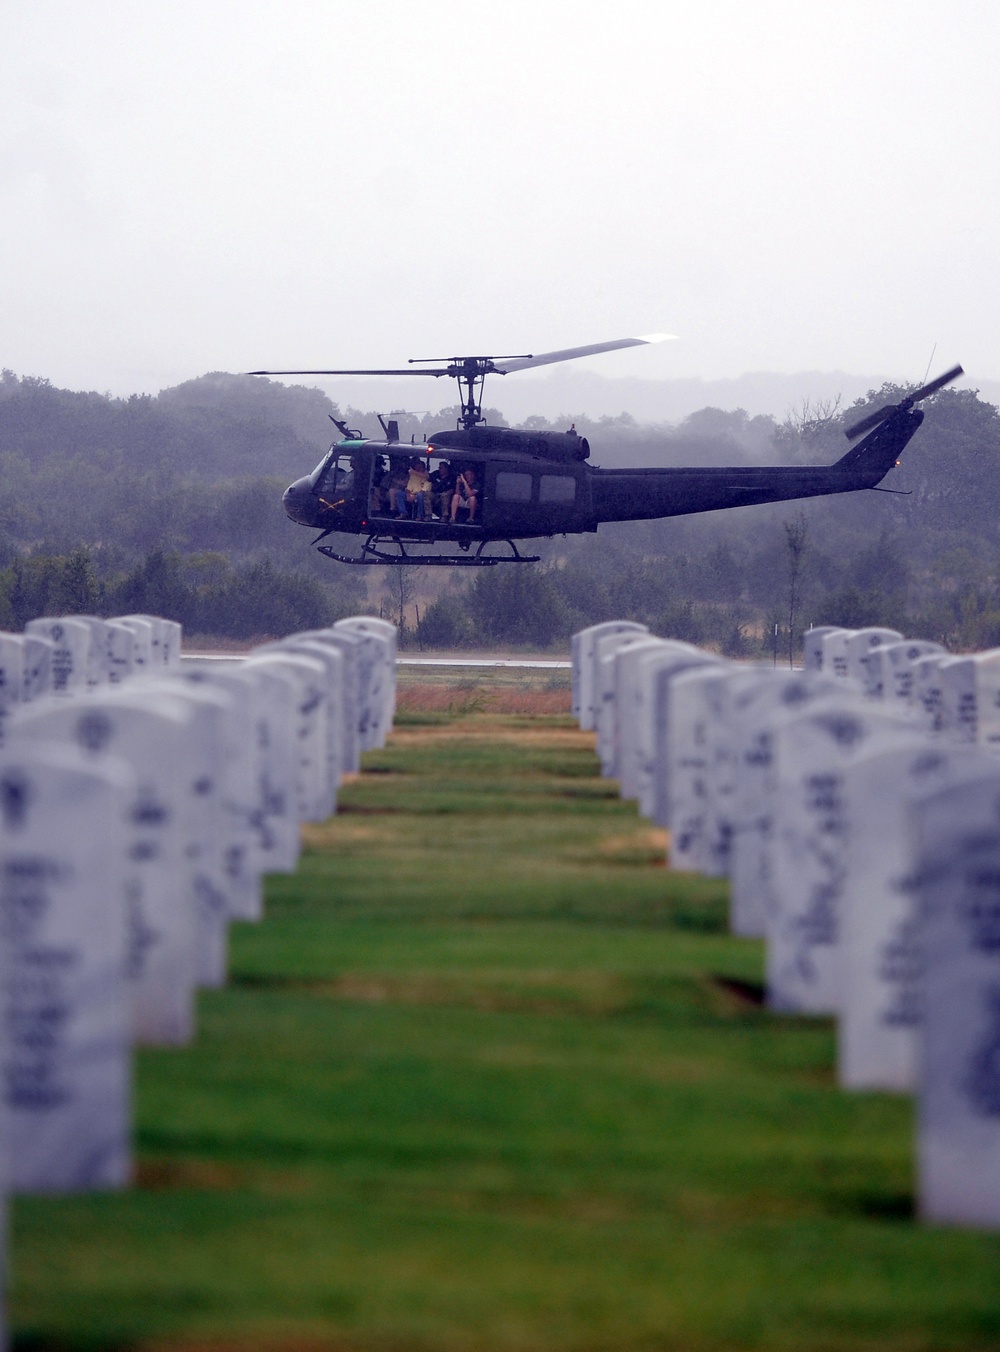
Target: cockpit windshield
(335, 482)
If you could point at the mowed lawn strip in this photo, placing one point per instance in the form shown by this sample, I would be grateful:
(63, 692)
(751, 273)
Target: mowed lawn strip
(490, 1077)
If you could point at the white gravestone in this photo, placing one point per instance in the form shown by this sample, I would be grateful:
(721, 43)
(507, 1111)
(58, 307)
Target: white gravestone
(880, 934)
(98, 656)
(606, 712)
(348, 683)
(383, 694)
(897, 661)
(379, 653)
(368, 624)
(721, 772)
(270, 725)
(240, 799)
(223, 886)
(121, 648)
(150, 732)
(156, 646)
(277, 736)
(696, 705)
(925, 701)
(368, 657)
(835, 663)
(315, 791)
(958, 1134)
(860, 643)
(812, 751)
(656, 668)
(631, 697)
(584, 657)
(639, 726)
(38, 652)
(874, 667)
(70, 655)
(143, 632)
(11, 677)
(605, 722)
(812, 646)
(970, 698)
(67, 1062)
(756, 700)
(171, 636)
(628, 705)
(340, 703)
(662, 686)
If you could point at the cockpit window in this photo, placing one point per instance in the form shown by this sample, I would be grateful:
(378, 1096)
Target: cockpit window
(336, 483)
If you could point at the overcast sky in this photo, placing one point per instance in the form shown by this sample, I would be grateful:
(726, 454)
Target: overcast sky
(195, 185)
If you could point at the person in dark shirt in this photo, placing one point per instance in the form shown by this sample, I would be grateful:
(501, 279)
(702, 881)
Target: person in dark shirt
(443, 488)
(398, 475)
(466, 494)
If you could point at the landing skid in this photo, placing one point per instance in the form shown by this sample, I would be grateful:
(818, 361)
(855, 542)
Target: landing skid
(375, 552)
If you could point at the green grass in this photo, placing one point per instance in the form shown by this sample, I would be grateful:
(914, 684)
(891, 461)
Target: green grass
(490, 1077)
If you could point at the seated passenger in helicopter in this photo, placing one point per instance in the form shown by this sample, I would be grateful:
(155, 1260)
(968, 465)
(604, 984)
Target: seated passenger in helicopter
(418, 490)
(398, 476)
(442, 489)
(466, 495)
(379, 502)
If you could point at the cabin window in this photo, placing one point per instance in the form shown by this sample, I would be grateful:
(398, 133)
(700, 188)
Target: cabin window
(513, 487)
(557, 488)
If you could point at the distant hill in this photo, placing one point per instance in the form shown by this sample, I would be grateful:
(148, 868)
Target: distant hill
(570, 392)
(215, 427)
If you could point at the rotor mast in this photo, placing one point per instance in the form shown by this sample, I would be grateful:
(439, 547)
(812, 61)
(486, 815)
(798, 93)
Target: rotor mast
(471, 373)
(471, 378)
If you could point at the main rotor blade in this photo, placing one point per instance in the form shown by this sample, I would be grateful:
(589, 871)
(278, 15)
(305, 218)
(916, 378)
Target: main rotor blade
(946, 379)
(406, 371)
(568, 353)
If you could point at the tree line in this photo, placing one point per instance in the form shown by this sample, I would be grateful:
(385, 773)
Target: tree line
(172, 503)
(206, 593)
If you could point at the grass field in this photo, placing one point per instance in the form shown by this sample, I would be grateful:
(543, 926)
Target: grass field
(490, 1077)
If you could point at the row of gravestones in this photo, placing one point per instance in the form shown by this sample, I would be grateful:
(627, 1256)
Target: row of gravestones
(142, 800)
(855, 808)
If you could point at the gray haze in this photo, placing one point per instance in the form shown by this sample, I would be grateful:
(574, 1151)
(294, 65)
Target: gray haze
(196, 185)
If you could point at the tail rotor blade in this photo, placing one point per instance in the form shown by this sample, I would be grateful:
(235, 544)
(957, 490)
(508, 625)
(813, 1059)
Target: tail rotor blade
(867, 423)
(925, 391)
(946, 379)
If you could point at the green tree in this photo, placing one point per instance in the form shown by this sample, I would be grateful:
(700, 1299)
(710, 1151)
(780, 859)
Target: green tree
(76, 590)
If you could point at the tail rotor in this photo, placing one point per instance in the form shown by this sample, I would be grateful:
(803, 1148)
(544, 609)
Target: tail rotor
(872, 420)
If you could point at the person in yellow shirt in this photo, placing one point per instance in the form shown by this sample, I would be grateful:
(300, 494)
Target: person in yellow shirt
(418, 490)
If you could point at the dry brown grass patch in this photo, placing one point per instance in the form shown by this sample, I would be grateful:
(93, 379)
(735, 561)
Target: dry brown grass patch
(487, 728)
(425, 697)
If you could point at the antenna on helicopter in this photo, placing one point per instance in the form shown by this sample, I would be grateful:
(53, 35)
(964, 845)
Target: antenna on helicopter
(350, 433)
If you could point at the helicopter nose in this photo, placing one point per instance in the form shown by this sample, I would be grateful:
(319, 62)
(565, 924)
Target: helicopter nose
(297, 501)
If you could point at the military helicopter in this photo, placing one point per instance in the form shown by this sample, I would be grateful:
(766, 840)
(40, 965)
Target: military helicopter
(531, 485)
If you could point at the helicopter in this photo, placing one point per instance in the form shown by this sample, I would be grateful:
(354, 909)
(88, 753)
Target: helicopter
(536, 484)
